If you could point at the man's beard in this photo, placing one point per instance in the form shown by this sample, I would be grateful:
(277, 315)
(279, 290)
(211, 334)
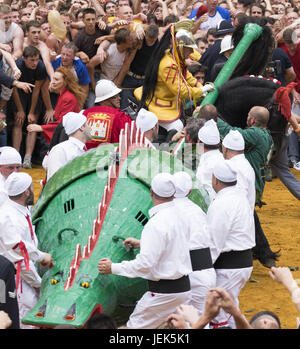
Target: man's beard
(30, 199)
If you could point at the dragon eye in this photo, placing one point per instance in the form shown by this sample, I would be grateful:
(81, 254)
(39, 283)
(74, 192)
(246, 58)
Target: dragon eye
(85, 284)
(54, 281)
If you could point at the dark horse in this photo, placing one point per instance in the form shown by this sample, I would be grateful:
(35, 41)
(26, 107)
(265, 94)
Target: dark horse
(242, 92)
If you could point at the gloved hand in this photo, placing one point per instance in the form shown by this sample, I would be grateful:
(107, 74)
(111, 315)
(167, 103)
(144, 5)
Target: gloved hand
(208, 87)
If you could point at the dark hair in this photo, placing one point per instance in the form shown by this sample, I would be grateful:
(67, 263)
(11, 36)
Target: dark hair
(151, 17)
(152, 31)
(152, 68)
(31, 51)
(121, 35)
(192, 128)
(108, 2)
(32, 24)
(88, 10)
(265, 312)
(170, 19)
(264, 45)
(212, 146)
(197, 68)
(100, 321)
(211, 31)
(287, 35)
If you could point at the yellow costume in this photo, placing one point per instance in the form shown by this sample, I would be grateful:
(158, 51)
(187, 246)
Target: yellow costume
(171, 90)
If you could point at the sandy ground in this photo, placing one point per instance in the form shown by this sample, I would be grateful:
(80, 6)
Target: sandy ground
(280, 220)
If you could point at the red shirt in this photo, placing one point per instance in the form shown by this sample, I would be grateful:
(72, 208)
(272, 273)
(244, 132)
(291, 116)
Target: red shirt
(106, 124)
(66, 102)
(295, 59)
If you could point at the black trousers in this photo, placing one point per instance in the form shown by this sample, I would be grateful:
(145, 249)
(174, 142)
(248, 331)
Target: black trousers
(8, 297)
(262, 249)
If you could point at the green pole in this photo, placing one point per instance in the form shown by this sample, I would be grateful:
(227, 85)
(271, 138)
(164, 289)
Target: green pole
(252, 32)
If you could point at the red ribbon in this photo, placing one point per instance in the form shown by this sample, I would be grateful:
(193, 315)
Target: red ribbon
(30, 227)
(25, 256)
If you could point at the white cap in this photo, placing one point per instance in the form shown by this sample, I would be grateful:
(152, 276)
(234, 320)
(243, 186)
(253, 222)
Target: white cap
(73, 121)
(234, 141)
(9, 155)
(183, 184)
(224, 171)
(17, 183)
(105, 89)
(163, 185)
(146, 120)
(209, 133)
(226, 44)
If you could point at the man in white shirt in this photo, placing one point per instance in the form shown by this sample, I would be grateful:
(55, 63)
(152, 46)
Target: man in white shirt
(164, 259)
(79, 132)
(203, 277)
(210, 136)
(18, 242)
(147, 122)
(233, 146)
(10, 161)
(231, 225)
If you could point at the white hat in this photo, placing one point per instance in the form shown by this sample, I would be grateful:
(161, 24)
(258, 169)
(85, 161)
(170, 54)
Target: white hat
(234, 141)
(73, 121)
(183, 184)
(224, 171)
(163, 185)
(105, 89)
(9, 155)
(209, 133)
(146, 120)
(17, 183)
(226, 43)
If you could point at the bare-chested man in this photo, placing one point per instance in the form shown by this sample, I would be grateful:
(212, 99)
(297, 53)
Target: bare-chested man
(12, 37)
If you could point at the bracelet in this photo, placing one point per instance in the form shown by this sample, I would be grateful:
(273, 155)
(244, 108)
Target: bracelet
(296, 295)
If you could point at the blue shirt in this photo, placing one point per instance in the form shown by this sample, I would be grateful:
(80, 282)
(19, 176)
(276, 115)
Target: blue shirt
(80, 70)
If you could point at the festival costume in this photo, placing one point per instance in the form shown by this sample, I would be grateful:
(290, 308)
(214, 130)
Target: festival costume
(18, 243)
(207, 162)
(203, 277)
(231, 225)
(245, 178)
(3, 193)
(106, 124)
(61, 154)
(164, 257)
(174, 85)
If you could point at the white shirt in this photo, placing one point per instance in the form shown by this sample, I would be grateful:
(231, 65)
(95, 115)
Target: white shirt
(230, 222)
(195, 220)
(212, 21)
(245, 177)
(3, 193)
(207, 162)
(164, 248)
(14, 228)
(7, 36)
(61, 154)
(113, 64)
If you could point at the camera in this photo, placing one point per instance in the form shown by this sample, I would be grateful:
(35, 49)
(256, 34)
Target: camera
(273, 69)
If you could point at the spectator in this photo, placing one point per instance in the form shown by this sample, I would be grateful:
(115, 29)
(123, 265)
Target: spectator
(28, 104)
(70, 98)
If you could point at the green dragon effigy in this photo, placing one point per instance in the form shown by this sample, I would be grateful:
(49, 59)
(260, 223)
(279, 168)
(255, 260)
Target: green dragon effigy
(84, 213)
(90, 206)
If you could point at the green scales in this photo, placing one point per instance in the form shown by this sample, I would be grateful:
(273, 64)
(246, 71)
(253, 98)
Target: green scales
(84, 213)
